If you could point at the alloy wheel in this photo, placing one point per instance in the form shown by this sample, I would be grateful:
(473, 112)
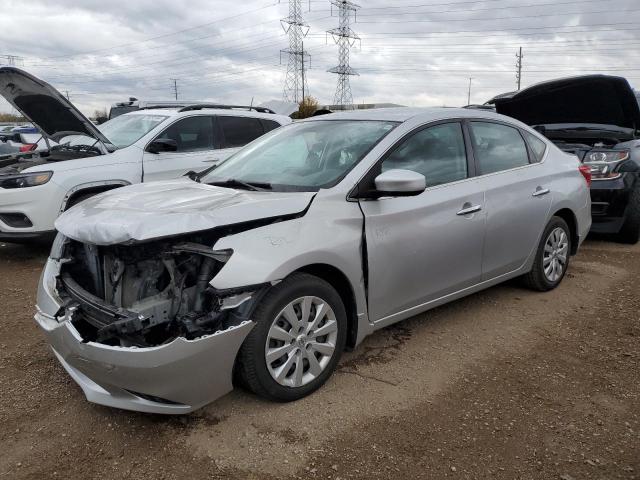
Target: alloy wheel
(556, 251)
(301, 341)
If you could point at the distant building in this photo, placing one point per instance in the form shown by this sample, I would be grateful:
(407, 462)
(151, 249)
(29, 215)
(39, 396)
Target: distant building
(359, 106)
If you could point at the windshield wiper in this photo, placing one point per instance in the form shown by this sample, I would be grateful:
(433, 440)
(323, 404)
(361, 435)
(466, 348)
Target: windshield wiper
(253, 186)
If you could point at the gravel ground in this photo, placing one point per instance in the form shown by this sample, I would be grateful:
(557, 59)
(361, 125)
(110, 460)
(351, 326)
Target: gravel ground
(506, 384)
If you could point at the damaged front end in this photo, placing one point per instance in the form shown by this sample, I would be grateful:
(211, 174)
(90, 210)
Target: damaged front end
(148, 294)
(139, 327)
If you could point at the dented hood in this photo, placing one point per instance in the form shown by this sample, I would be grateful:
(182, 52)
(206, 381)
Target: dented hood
(43, 105)
(589, 99)
(161, 209)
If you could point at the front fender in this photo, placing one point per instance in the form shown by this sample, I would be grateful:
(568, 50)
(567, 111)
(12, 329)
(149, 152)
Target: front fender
(330, 234)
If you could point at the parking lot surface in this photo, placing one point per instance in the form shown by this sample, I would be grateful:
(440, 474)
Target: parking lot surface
(506, 383)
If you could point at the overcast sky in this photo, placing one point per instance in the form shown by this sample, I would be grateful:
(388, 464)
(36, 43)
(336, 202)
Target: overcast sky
(413, 52)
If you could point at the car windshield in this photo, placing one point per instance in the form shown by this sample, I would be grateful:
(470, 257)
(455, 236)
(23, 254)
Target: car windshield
(124, 130)
(303, 156)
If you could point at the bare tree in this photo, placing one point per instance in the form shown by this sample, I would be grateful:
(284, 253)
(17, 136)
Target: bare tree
(308, 107)
(100, 115)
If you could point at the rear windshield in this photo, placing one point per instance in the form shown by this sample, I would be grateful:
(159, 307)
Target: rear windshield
(121, 110)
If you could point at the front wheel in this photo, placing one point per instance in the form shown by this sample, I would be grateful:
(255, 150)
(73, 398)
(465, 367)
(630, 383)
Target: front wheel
(552, 257)
(298, 339)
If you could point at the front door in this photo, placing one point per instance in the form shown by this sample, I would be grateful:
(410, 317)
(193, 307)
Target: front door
(196, 151)
(424, 247)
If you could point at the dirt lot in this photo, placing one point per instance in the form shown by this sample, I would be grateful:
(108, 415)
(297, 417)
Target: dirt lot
(504, 384)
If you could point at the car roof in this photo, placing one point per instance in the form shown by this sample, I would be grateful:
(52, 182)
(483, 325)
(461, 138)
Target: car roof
(403, 114)
(174, 112)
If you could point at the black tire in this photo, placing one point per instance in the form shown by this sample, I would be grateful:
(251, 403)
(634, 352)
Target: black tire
(252, 367)
(536, 279)
(630, 231)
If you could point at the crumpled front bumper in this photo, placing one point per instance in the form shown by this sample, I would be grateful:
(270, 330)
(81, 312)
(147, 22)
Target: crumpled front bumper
(175, 378)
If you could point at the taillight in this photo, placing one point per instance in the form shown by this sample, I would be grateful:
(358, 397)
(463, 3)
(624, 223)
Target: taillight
(585, 170)
(28, 147)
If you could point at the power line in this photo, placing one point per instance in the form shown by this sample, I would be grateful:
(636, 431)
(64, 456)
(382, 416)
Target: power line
(517, 17)
(520, 29)
(176, 32)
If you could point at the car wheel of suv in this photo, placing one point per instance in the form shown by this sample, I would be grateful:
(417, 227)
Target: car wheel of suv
(630, 231)
(552, 257)
(300, 332)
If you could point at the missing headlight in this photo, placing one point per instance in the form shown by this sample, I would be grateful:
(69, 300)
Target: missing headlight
(144, 294)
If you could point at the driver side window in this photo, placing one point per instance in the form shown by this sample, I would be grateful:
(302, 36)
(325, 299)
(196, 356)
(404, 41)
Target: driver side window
(436, 152)
(191, 134)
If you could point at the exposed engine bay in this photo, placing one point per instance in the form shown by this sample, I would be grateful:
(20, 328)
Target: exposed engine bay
(147, 294)
(19, 162)
(62, 152)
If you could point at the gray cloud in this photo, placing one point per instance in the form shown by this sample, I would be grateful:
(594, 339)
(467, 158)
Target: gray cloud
(414, 52)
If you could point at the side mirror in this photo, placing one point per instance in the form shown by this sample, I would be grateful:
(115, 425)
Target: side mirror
(162, 145)
(400, 183)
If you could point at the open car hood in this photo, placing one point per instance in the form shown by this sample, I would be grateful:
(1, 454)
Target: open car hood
(593, 99)
(43, 105)
(162, 209)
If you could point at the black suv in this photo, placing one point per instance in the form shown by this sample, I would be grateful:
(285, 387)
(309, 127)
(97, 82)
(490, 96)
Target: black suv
(597, 118)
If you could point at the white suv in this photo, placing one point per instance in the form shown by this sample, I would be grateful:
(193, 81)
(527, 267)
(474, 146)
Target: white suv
(141, 146)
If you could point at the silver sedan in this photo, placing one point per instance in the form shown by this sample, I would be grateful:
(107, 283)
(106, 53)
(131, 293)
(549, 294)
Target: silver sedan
(159, 297)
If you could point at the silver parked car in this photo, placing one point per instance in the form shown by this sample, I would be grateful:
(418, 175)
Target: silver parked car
(158, 296)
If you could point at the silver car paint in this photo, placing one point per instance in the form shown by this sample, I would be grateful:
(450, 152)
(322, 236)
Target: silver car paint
(187, 372)
(331, 233)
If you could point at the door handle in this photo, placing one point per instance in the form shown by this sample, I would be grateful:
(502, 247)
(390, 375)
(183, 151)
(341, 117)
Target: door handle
(211, 160)
(541, 191)
(468, 209)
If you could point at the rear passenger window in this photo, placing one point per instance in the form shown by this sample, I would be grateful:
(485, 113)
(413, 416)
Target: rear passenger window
(538, 147)
(498, 147)
(436, 152)
(238, 131)
(269, 125)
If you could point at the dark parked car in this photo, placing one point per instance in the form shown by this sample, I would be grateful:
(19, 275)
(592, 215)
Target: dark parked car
(597, 118)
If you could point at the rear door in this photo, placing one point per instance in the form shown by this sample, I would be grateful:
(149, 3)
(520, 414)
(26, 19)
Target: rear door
(196, 142)
(423, 247)
(518, 196)
(235, 132)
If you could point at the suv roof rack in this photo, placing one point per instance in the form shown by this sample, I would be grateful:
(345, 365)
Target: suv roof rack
(200, 106)
(151, 106)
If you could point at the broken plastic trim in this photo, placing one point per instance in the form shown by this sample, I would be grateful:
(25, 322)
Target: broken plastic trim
(98, 310)
(199, 249)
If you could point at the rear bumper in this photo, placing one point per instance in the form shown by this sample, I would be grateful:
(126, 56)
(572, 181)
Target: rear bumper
(609, 200)
(175, 378)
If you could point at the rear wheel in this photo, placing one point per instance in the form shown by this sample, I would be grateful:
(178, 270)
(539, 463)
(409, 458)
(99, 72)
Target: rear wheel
(552, 257)
(297, 341)
(630, 231)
